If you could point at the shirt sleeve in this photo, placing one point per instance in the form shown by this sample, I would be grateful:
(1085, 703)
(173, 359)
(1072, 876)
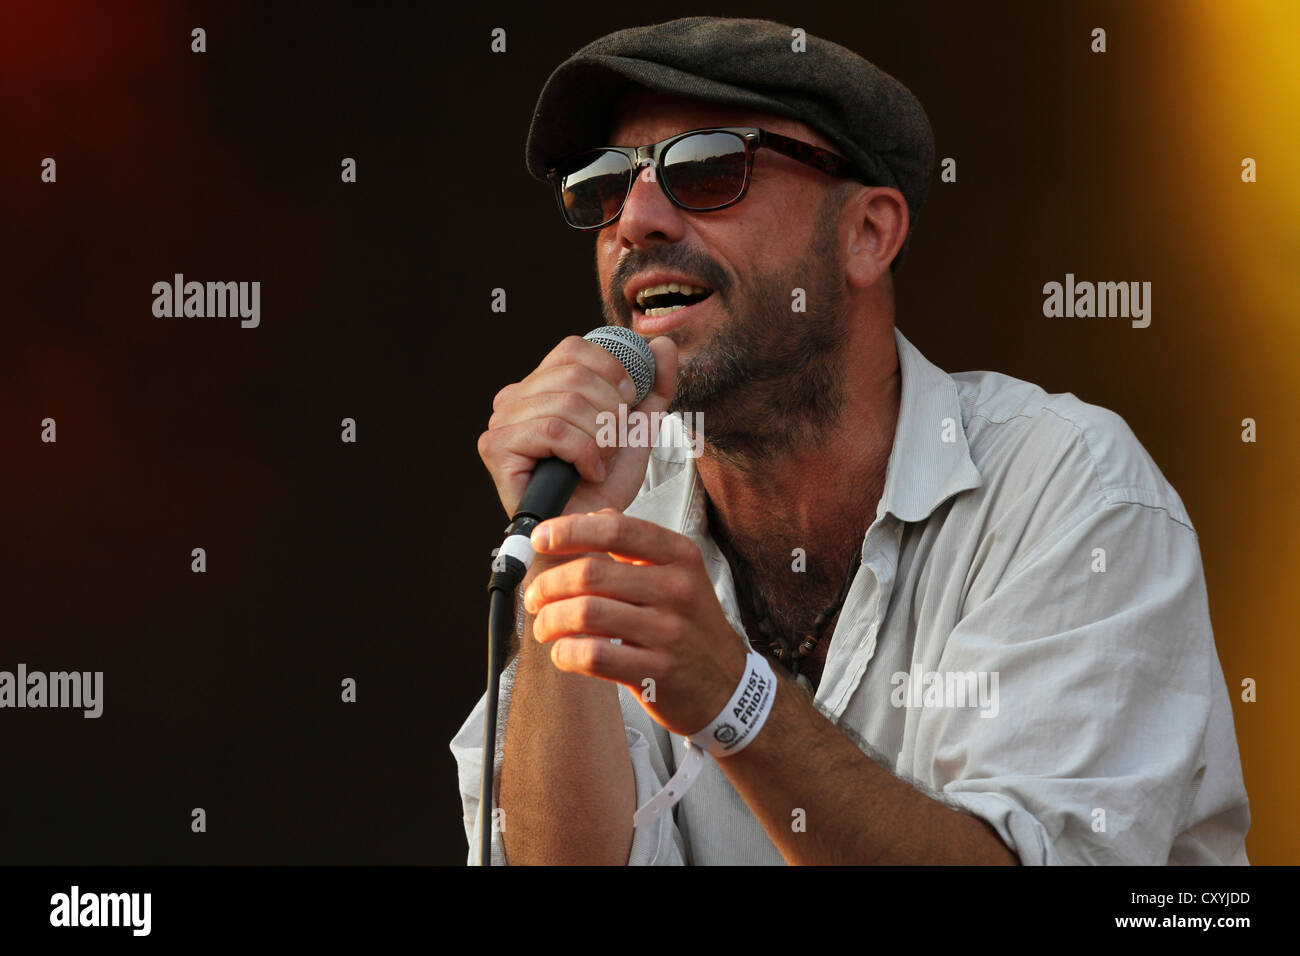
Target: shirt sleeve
(657, 844)
(1106, 733)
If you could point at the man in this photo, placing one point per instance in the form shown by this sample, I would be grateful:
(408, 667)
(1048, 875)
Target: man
(984, 604)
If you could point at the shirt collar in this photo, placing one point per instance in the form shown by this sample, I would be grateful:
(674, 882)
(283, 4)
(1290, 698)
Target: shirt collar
(929, 461)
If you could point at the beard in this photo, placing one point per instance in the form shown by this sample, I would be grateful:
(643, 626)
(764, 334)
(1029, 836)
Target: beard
(769, 379)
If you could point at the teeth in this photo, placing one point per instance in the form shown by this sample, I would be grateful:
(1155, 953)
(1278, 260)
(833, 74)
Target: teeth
(680, 287)
(667, 310)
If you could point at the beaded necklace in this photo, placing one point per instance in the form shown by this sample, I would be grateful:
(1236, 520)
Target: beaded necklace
(791, 657)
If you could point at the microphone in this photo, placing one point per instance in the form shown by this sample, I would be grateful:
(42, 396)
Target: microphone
(554, 479)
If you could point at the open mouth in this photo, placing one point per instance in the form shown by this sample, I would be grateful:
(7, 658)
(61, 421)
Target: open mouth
(670, 297)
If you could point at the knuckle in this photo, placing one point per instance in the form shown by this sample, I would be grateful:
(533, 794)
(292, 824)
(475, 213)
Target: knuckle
(559, 528)
(610, 520)
(676, 589)
(689, 552)
(571, 346)
(578, 376)
(590, 572)
(603, 363)
(592, 654)
(539, 591)
(673, 631)
(613, 369)
(503, 397)
(573, 404)
(602, 532)
(541, 622)
(571, 376)
(554, 428)
(586, 613)
(585, 454)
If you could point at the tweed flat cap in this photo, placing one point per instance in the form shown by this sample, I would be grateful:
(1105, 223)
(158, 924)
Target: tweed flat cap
(869, 116)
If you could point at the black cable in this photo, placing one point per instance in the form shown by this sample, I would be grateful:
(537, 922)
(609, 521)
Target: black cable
(501, 615)
(507, 574)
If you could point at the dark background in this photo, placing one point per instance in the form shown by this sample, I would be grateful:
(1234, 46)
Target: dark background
(329, 560)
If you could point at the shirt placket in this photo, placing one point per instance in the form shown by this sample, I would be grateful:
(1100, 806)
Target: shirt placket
(853, 643)
(723, 586)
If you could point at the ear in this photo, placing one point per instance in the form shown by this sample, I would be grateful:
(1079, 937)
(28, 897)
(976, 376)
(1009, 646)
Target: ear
(878, 219)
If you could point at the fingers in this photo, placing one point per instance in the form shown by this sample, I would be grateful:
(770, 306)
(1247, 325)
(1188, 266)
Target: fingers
(613, 533)
(571, 393)
(580, 629)
(595, 617)
(517, 448)
(665, 386)
(572, 408)
(575, 350)
(597, 657)
(601, 577)
(567, 406)
(576, 379)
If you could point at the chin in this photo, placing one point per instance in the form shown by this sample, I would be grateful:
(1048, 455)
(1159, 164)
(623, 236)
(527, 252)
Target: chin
(687, 346)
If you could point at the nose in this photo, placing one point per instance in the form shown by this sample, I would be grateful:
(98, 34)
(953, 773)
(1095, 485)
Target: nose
(648, 215)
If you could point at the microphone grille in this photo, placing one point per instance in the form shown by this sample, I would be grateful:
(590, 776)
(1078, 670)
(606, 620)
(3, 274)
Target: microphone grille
(632, 353)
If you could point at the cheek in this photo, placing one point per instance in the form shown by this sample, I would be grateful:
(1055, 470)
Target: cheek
(606, 258)
(755, 241)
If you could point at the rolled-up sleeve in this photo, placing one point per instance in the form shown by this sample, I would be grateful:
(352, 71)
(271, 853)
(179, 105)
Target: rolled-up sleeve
(1095, 741)
(657, 844)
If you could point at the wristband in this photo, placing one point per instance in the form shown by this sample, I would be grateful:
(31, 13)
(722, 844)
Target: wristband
(743, 717)
(674, 789)
(730, 732)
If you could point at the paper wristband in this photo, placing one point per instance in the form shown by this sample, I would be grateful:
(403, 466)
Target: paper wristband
(674, 790)
(743, 717)
(730, 732)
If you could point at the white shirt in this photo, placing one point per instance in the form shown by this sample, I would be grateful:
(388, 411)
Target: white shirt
(1109, 735)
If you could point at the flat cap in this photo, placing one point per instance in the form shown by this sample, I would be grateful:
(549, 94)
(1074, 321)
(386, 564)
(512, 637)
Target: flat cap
(869, 116)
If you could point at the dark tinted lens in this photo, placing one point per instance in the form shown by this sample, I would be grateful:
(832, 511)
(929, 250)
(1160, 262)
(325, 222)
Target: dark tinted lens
(705, 170)
(594, 190)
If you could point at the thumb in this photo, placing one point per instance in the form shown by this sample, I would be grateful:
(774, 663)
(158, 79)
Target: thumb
(665, 386)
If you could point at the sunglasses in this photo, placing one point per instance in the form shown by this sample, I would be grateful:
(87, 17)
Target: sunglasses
(700, 170)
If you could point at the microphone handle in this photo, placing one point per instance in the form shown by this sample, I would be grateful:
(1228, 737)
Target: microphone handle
(549, 490)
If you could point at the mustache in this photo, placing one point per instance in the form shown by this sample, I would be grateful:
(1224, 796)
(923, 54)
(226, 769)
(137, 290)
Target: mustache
(675, 257)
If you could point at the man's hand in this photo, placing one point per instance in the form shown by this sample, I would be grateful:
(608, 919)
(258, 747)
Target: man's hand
(652, 593)
(553, 413)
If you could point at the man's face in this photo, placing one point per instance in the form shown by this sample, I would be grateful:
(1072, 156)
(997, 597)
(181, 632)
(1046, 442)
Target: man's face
(763, 374)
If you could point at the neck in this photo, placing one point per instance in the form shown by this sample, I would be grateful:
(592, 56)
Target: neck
(818, 496)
